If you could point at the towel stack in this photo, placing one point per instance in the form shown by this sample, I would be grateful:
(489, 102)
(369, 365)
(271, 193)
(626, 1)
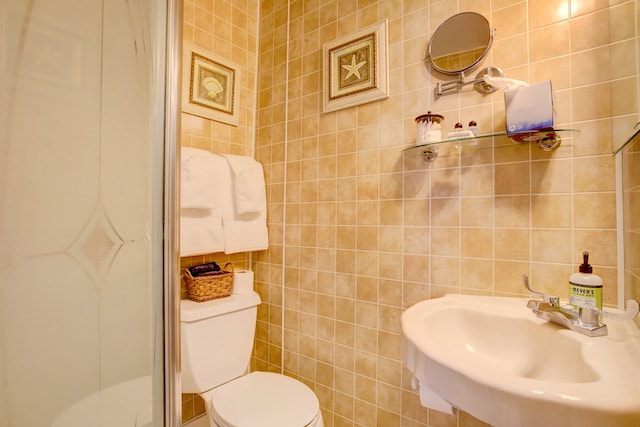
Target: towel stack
(223, 204)
(245, 210)
(200, 215)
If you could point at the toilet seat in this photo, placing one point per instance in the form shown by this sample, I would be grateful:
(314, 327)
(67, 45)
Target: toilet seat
(264, 399)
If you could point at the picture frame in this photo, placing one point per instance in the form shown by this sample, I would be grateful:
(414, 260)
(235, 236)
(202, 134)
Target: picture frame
(355, 68)
(210, 86)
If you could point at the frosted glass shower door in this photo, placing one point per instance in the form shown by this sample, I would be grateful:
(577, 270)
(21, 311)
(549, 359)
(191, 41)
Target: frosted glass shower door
(77, 291)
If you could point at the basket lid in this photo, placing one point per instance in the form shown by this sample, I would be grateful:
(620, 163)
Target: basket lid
(192, 311)
(264, 399)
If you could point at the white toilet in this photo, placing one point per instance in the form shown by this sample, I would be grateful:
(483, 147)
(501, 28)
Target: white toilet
(217, 338)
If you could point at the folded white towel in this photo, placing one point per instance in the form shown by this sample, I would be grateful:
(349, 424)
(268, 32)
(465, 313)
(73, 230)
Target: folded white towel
(248, 184)
(203, 173)
(245, 233)
(200, 232)
(197, 179)
(242, 232)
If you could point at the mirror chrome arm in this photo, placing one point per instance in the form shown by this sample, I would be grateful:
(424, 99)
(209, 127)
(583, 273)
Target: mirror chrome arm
(444, 88)
(478, 83)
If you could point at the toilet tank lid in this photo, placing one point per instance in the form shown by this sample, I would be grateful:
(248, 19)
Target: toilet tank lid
(192, 311)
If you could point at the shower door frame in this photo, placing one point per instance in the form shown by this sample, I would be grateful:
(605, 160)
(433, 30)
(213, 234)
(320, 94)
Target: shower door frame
(170, 299)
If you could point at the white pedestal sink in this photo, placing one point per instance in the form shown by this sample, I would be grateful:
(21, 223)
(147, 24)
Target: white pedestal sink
(491, 357)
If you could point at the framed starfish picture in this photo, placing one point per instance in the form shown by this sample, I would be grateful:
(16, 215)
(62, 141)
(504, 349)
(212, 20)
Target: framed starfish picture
(210, 85)
(355, 68)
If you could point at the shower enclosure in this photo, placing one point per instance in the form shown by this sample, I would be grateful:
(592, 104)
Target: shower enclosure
(87, 130)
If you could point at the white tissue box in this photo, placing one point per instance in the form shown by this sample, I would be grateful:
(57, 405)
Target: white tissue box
(529, 108)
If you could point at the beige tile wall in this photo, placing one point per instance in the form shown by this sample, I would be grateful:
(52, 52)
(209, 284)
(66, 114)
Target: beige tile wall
(359, 231)
(228, 29)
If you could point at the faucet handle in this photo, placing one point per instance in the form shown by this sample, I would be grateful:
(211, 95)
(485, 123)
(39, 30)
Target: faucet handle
(551, 299)
(633, 308)
(589, 315)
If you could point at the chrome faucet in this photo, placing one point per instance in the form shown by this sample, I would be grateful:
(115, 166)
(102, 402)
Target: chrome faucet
(585, 320)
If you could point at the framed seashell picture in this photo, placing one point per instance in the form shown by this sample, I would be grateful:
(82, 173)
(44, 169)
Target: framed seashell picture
(210, 85)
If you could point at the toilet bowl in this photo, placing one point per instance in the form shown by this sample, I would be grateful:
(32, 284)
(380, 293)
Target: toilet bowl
(216, 343)
(263, 399)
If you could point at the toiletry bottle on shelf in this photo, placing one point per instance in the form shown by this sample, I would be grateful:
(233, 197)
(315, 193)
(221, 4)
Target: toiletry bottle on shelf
(457, 132)
(473, 127)
(585, 288)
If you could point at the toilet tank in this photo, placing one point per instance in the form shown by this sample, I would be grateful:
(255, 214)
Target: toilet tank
(216, 340)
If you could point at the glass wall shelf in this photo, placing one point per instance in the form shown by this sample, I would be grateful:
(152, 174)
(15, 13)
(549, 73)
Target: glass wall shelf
(628, 141)
(546, 140)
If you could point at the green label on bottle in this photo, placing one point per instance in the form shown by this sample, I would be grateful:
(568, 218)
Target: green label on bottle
(585, 296)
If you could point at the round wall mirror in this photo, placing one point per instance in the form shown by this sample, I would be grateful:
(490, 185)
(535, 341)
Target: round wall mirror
(460, 42)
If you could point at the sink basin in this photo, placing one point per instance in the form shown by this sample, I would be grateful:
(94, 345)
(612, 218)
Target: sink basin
(491, 357)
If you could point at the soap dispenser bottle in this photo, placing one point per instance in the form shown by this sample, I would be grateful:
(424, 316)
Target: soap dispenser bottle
(473, 127)
(585, 288)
